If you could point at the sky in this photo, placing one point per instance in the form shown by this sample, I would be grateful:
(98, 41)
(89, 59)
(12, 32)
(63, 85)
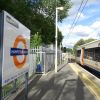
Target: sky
(88, 25)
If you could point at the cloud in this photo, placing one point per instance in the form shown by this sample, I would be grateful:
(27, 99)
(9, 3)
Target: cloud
(96, 25)
(96, 30)
(68, 44)
(86, 13)
(82, 34)
(88, 25)
(78, 30)
(90, 2)
(64, 28)
(76, 2)
(81, 29)
(82, 16)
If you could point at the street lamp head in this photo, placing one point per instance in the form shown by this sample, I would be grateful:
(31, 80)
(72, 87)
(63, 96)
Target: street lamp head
(60, 8)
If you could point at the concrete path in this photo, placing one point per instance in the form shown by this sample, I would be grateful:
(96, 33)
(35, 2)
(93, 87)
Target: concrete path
(64, 85)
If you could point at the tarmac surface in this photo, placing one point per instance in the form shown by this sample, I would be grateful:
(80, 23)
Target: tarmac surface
(63, 85)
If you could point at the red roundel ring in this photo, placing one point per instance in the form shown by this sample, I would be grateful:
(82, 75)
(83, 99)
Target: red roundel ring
(16, 62)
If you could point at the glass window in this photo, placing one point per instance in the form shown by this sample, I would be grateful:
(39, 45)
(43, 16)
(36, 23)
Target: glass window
(78, 53)
(97, 54)
(89, 54)
(85, 53)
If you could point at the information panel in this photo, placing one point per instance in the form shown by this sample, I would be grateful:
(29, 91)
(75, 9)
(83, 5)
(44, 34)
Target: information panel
(16, 45)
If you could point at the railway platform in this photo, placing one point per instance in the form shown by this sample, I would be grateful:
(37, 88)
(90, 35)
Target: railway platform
(71, 82)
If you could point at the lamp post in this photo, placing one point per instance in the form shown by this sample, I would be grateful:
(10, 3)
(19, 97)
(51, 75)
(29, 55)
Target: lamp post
(60, 53)
(56, 37)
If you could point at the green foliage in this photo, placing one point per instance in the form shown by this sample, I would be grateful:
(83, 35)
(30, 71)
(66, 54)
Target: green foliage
(36, 40)
(89, 40)
(81, 42)
(60, 37)
(69, 50)
(67, 5)
(48, 8)
(64, 49)
(38, 16)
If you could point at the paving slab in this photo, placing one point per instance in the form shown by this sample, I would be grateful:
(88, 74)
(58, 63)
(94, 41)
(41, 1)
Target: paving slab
(64, 85)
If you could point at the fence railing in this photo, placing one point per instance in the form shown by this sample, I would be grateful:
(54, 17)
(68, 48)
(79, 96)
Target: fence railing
(44, 56)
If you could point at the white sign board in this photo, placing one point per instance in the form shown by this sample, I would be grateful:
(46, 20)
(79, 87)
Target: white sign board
(16, 44)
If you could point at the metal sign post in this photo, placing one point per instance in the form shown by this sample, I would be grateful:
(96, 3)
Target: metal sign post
(1, 52)
(26, 86)
(14, 85)
(1, 95)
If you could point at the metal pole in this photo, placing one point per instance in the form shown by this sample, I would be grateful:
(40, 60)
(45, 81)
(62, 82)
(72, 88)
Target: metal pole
(1, 98)
(60, 54)
(1, 51)
(67, 57)
(44, 62)
(26, 86)
(14, 85)
(56, 37)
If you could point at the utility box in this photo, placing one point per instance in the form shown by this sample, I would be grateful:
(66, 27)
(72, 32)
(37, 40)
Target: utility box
(14, 48)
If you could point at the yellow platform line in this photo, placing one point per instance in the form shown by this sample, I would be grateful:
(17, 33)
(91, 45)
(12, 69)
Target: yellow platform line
(89, 80)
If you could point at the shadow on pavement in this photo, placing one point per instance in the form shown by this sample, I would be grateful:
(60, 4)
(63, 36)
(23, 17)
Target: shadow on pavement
(65, 85)
(42, 89)
(33, 83)
(79, 94)
(66, 89)
(53, 88)
(62, 67)
(72, 89)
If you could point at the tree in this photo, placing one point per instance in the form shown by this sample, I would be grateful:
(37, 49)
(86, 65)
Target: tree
(38, 16)
(67, 5)
(48, 7)
(81, 42)
(64, 49)
(60, 37)
(69, 50)
(89, 40)
(47, 24)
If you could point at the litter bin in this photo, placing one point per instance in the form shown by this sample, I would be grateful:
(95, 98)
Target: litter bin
(39, 68)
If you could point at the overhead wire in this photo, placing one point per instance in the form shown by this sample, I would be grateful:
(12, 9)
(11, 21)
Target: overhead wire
(77, 16)
(77, 13)
(81, 12)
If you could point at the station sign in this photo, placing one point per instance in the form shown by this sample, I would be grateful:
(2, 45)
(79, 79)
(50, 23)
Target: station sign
(15, 47)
